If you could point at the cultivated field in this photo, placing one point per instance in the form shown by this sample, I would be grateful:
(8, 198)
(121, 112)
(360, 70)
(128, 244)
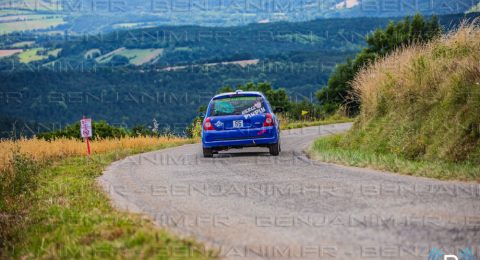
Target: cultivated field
(22, 44)
(6, 53)
(35, 54)
(241, 63)
(41, 150)
(135, 56)
(29, 24)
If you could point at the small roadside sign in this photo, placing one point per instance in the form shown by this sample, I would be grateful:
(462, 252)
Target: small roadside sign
(86, 127)
(86, 131)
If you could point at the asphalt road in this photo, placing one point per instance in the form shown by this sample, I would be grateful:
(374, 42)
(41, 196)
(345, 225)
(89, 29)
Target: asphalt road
(246, 204)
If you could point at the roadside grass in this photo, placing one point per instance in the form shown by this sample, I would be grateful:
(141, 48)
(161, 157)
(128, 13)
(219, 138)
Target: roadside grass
(419, 111)
(339, 149)
(61, 212)
(285, 125)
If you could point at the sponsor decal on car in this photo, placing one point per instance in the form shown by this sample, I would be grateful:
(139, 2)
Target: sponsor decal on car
(219, 124)
(254, 110)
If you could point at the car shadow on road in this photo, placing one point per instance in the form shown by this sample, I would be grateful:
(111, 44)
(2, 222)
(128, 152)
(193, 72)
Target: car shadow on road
(241, 154)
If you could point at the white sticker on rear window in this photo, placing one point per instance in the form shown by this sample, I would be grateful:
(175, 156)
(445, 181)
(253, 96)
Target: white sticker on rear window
(257, 105)
(254, 110)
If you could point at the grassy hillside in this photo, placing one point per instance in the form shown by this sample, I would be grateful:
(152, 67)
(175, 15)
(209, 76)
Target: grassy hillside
(52, 207)
(420, 111)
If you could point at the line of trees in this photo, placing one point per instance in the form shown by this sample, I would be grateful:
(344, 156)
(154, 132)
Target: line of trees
(416, 30)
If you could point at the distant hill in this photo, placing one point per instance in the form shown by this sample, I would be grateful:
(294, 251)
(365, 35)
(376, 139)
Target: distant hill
(373, 8)
(126, 77)
(167, 46)
(98, 16)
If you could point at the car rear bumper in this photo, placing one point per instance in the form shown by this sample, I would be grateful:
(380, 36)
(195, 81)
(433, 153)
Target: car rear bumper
(222, 139)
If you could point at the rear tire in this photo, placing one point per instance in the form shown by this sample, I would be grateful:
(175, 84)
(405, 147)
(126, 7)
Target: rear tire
(275, 149)
(207, 153)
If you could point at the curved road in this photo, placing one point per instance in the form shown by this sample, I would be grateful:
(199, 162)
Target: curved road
(246, 204)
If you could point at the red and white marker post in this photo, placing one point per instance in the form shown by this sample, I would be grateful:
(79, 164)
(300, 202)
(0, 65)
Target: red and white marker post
(86, 131)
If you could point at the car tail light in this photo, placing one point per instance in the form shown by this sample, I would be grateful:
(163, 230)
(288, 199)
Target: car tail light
(268, 120)
(207, 126)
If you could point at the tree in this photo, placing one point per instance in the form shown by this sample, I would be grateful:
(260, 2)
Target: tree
(379, 44)
(335, 93)
(225, 89)
(278, 98)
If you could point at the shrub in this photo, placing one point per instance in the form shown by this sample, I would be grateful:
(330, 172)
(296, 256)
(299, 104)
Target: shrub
(101, 130)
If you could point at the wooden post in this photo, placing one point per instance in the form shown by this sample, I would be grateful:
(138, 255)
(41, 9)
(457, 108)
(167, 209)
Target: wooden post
(88, 146)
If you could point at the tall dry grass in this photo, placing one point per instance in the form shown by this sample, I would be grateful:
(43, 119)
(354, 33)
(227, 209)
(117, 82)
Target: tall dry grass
(420, 71)
(41, 150)
(423, 102)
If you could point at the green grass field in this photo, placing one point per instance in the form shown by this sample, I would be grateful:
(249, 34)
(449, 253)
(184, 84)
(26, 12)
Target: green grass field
(27, 25)
(22, 44)
(31, 55)
(136, 56)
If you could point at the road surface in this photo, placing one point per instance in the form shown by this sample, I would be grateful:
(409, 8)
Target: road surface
(245, 204)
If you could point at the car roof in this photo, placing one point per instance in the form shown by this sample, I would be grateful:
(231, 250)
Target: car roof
(238, 93)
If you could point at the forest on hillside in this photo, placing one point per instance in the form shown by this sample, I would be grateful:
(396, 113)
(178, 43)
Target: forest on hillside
(51, 92)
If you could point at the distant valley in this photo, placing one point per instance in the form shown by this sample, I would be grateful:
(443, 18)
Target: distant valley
(130, 77)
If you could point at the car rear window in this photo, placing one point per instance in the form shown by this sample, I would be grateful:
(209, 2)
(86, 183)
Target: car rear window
(248, 106)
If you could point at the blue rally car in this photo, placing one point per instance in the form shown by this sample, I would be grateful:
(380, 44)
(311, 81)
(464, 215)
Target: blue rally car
(240, 119)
